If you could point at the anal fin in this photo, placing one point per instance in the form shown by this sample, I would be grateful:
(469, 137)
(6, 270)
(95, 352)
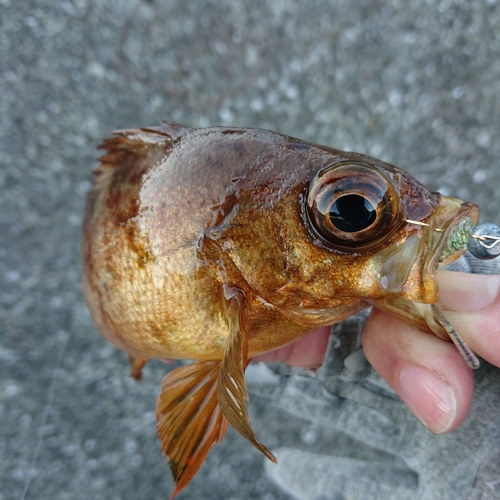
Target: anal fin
(189, 420)
(136, 366)
(231, 387)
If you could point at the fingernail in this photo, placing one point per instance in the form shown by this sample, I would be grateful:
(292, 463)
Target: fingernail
(467, 292)
(429, 397)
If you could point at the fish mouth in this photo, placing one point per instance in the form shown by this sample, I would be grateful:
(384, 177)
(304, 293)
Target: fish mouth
(431, 245)
(442, 240)
(451, 236)
(450, 246)
(408, 270)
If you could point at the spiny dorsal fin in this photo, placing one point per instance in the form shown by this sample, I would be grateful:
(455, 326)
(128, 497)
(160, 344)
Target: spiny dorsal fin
(231, 386)
(173, 129)
(128, 144)
(189, 420)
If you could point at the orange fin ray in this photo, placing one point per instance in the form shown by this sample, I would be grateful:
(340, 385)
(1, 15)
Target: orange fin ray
(231, 388)
(189, 420)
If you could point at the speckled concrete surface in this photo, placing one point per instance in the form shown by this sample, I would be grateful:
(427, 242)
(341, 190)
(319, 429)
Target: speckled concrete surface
(415, 83)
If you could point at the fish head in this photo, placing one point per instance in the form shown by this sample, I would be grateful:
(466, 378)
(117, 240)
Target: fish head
(388, 225)
(362, 232)
(393, 233)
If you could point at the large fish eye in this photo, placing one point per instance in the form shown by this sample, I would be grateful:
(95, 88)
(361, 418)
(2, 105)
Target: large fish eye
(353, 206)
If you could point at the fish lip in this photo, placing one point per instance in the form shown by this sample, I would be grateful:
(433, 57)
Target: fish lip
(429, 237)
(440, 233)
(417, 288)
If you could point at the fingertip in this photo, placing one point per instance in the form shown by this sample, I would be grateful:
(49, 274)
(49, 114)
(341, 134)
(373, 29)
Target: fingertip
(480, 330)
(467, 292)
(430, 397)
(471, 303)
(428, 374)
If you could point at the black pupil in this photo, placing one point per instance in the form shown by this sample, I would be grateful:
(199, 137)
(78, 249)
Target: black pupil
(352, 213)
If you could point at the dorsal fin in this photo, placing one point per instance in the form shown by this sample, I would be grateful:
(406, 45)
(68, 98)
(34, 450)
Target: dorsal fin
(130, 143)
(174, 129)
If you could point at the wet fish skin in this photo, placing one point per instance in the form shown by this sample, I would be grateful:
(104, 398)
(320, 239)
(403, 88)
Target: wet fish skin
(209, 245)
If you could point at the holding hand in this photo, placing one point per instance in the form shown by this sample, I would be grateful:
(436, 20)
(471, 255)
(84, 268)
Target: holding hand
(429, 374)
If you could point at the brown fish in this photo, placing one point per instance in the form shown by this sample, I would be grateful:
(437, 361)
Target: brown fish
(222, 243)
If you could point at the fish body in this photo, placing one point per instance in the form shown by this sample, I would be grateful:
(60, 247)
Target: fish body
(219, 244)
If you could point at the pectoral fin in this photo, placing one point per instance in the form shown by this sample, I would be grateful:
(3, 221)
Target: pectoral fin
(197, 401)
(189, 420)
(231, 387)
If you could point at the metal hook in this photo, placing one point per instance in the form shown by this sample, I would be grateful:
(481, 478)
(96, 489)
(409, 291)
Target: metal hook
(418, 223)
(483, 242)
(483, 238)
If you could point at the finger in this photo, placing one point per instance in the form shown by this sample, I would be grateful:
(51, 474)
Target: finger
(467, 292)
(307, 352)
(429, 374)
(472, 305)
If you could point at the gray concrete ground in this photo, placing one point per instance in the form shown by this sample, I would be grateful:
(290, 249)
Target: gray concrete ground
(414, 82)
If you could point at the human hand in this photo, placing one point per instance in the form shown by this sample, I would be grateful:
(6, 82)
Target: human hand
(429, 374)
